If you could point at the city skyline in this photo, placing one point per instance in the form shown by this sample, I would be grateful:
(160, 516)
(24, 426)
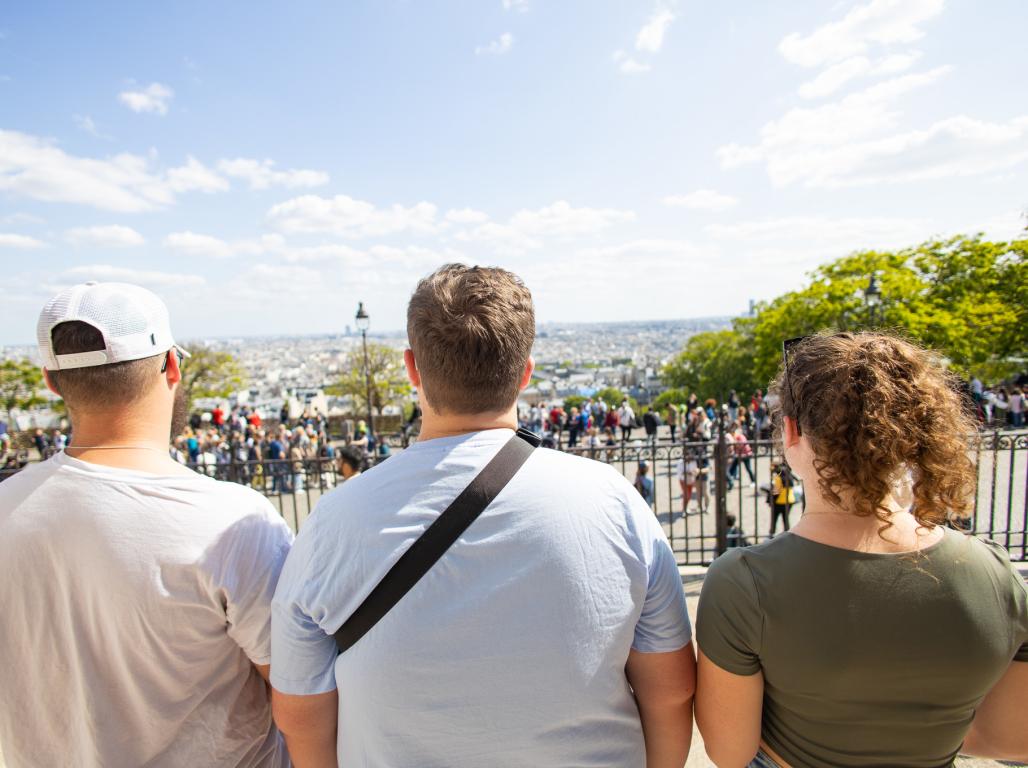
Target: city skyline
(264, 171)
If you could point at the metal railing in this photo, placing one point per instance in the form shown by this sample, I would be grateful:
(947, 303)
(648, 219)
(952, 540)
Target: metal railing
(728, 487)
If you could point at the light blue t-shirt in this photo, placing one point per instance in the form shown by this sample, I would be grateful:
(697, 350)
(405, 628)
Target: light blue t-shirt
(511, 651)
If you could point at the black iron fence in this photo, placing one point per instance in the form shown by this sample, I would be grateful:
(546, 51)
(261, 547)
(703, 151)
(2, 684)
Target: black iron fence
(697, 517)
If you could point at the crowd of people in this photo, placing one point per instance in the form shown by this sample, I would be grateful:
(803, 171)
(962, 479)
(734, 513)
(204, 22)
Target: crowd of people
(283, 457)
(475, 600)
(595, 422)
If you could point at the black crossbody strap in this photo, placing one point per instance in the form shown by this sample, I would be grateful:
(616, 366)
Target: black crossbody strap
(437, 538)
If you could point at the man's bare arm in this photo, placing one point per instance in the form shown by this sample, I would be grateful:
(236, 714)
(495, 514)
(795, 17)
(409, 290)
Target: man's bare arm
(664, 685)
(309, 726)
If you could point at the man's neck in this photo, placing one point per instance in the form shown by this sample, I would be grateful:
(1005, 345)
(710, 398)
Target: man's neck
(435, 425)
(115, 440)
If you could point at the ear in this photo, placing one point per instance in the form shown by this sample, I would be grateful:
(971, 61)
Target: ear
(173, 374)
(790, 432)
(526, 375)
(49, 383)
(412, 368)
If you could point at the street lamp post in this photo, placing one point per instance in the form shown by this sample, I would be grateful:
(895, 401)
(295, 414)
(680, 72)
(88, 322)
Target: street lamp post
(873, 299)
(363, 323)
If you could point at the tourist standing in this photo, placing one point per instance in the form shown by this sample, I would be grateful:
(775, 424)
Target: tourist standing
(553, 632)
(626, 420)
(136, 592)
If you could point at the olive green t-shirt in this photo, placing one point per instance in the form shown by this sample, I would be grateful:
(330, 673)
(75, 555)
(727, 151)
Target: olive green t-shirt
(868, 659)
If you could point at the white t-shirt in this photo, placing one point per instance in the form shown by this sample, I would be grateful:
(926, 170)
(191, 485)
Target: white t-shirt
(133, 605)
(511, 650)
(626, 416)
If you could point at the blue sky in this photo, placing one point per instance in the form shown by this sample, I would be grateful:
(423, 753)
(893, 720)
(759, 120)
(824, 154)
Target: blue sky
(264, 166)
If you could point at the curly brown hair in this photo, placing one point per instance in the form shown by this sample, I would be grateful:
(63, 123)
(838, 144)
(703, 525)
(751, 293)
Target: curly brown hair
(872, 406)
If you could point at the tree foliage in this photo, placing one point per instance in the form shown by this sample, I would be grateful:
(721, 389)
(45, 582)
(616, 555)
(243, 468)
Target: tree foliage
(20, 383)
(210, 373)
(712, 363)
(389, 382)
(964, 297)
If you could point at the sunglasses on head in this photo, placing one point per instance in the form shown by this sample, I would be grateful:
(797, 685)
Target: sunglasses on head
(178, 353)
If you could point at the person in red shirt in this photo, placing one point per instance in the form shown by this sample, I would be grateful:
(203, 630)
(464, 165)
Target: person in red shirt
(218, 417)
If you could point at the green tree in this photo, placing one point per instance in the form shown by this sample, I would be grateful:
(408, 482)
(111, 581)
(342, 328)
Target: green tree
(389, 382)
(573, 401)
(20, 382)
(675, 396)
(965, 297)
(714, 362)
(210, 373)
(612, 396)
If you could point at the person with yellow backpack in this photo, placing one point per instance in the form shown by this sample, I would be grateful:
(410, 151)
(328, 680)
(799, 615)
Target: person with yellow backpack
(782, 494)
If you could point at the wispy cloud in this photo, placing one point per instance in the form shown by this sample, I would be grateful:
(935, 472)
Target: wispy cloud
(207, 246)
(879, 22)
(648, 40)
(23, 242)
(651, 36)
(128, 275)
(87, 124)
(261, 174)
(628, 65)
(521, 6)
(194, 176)
(701, 199)
(105, 236)
(498, 47)
(345, 216)
(154, 98)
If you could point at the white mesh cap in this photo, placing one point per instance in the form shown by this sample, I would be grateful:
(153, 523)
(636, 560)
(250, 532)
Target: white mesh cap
(133, 321)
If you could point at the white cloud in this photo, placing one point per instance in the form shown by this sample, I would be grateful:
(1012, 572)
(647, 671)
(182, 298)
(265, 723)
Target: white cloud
(503, 239)
(109, 236)
(834, 77)
(881, 22)
(466, 216)
(701, 199)
(193, 244)
(562, 220)
(497, 47)
(33, 167)
(261, 174)
(628, 65)
(855, 230)
(124, 274)
(153, 98)
(208, 246)
(651, 36)
(36, 168)
(345, 216)
(86, 123)
(195, 176)
(10, 240)
(521, 6)
(837, 75)
(817, 146)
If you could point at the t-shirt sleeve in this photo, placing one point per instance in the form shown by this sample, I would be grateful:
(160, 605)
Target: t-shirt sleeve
(663, 625)
(303, 654)
(1018, 600)
(729, 622)
(247, 561)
